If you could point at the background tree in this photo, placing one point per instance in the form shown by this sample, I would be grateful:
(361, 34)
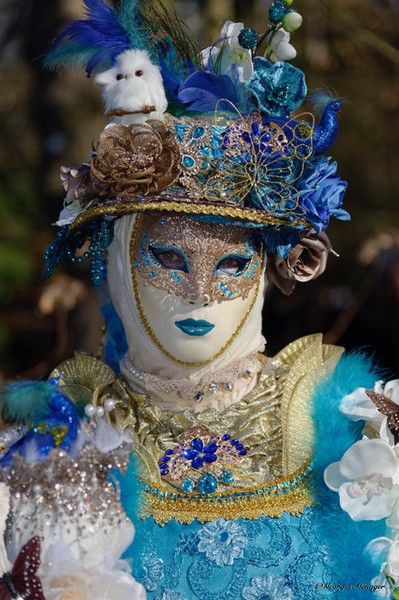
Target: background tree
(47, 120)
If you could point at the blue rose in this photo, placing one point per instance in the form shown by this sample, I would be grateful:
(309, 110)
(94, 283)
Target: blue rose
(321, 193)
(278, 88)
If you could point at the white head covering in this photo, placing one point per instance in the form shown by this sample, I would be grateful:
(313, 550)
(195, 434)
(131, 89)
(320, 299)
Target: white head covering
(166, 382)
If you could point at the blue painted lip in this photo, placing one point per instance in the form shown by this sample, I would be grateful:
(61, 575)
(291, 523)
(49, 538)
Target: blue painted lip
(193, 327)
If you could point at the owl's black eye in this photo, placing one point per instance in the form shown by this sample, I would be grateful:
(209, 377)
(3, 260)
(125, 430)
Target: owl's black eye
(138, 73)
(119, 76)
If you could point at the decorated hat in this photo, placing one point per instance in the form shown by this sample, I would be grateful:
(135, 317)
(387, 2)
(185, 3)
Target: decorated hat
(218, 134)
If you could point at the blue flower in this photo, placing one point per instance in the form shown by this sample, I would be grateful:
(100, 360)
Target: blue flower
(278, 88)
(222, 541)
(321, 193)
(267, 588)
(203, 91)
(198, 453)
(150, 571)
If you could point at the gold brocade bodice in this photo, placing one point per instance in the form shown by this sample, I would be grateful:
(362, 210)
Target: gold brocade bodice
(272, 423)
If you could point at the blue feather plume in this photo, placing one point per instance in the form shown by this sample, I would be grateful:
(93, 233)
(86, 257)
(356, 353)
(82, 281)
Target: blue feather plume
(97, 40)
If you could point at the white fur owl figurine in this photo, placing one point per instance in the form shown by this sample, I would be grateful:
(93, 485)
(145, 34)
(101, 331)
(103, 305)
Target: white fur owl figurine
(133, 90)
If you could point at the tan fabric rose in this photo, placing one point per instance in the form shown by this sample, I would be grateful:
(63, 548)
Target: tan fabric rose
(134, 160)
(306, 261)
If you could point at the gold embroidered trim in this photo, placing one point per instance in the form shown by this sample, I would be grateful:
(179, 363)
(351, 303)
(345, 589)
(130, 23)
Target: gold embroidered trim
(120, 208)
(291, 495)
(149, 329)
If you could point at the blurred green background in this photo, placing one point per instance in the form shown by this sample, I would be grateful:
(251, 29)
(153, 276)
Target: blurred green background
(351, 46)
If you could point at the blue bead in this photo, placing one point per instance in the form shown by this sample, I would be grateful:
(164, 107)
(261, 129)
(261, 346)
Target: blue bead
(239, 447)
(211, 448)
(242, 452)
(234, 442)
(227, 477)
(187, 485)
(198, 132)
(169, 451)
(188, 161)
(165, 458)
(197, 462)
(164, 472)
(207, 484)
(210, 458)
(197, 444)
(226, 437)
(189, 454)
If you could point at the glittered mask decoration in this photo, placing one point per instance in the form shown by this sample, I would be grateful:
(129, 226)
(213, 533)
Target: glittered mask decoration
(195, 260)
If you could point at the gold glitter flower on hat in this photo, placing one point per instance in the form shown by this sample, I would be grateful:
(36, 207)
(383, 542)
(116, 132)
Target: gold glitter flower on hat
(139, 159)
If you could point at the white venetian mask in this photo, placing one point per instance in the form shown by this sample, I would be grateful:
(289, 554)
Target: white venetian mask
(194, 284)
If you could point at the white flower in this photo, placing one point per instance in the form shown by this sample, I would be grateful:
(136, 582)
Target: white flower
(233, 59)
(358, 406)
(366, 479)
(280, 47)
(385, 551)
(66, 579)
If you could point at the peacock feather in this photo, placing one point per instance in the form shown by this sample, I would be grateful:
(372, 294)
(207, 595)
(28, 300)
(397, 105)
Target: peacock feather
(169, 34)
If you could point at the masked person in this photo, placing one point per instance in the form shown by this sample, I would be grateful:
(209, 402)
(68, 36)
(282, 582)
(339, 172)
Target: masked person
(203, 186)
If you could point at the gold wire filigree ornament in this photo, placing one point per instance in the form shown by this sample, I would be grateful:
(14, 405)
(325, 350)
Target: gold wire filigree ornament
(195, 240)
(134, 160)
(251, 161)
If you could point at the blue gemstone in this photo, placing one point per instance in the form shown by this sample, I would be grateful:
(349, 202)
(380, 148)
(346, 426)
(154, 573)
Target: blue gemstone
(197, 444)
(211, 448)
(189, 454)
(198, 132)
(226, 437)
(188, 161)
(234, 442)
(227, 477)
(207, 484)
(170, 451)
(197, 462)
(210, 458)
(187, 485)
(223, 536)
(165, 472)
(242, 452)
(239, 447)
(163, 466)
(166, 458)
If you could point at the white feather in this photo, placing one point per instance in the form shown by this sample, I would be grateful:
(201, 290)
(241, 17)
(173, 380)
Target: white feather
(131, 84)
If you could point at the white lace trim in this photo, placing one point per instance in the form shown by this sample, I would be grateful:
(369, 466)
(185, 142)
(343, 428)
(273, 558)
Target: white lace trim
(209, 384)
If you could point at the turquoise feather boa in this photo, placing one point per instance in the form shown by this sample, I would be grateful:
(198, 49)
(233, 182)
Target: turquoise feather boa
(335, 433)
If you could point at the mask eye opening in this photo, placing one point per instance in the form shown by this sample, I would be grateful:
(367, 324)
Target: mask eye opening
(169, 257)
(232, 265)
